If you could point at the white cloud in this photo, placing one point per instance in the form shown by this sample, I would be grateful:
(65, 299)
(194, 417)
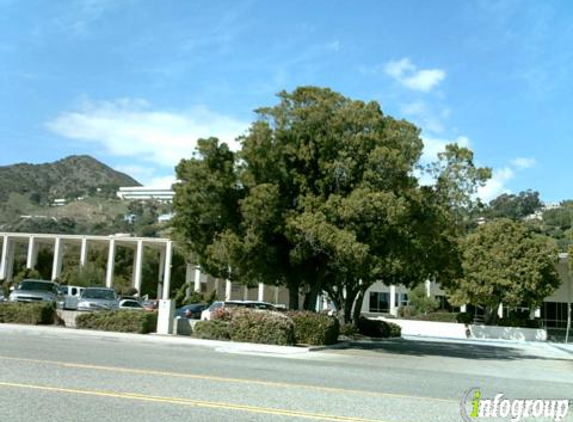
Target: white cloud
(131, 128)
(405, 72)
(433, 146)
(496, 185)
(426, 116)
(523, 163)
(161, 182)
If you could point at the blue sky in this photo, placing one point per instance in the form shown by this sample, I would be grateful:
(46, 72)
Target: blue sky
(134, 83)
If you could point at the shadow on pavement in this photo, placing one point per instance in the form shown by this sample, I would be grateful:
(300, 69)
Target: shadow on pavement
(437, 348)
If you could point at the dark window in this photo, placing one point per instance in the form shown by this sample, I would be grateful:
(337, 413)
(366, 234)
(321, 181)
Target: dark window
(379, 302)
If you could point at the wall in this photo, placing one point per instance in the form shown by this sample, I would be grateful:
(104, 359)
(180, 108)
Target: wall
(460, 331)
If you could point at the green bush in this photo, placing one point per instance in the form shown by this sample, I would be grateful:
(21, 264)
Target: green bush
(519, 318)
(435, 316)
(420, 302)
(212, 330)
(27, 313)
(349, 330)
(262, 327)
(223, 314)
(123, 321)
(464, 318)
(314, 329)
(378, 328)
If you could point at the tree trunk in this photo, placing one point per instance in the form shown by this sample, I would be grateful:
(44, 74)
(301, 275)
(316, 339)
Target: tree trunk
(348, 302)
(310, 297)
(357, 307)
(293, 289)
(491, 315)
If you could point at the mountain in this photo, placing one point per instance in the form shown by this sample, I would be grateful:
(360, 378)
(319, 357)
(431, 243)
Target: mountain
(71, 177)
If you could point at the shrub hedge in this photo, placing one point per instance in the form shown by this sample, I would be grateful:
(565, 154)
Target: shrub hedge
(378, 328)
(27, 313)
(123, 321)
(212, 330)
(314, 329)
(262, 327)
(436, 317)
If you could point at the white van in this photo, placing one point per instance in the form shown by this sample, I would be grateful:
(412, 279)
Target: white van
(71, 296)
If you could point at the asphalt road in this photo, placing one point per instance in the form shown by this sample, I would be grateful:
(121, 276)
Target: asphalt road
(64, 376)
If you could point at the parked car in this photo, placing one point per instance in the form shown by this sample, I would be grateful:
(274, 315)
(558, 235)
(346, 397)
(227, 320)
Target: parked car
(32, 291)
(151, 305)
(71, 296)
(128, 303)
(98, 299)
(252, 304)
(192, 311)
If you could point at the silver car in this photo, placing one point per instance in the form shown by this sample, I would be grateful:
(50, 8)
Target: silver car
(33, 291)
(98, 299)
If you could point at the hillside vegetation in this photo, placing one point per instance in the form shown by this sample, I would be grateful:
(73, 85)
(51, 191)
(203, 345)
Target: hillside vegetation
(71, 177)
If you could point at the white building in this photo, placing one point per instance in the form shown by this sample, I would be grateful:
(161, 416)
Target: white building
(142, 193)
(381, 299)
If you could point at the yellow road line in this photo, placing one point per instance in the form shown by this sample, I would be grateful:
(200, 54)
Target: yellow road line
(229, 380)
(190, 402)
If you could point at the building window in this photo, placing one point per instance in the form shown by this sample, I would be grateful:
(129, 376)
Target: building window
(379, 302)
(554, 314)
(401, 299)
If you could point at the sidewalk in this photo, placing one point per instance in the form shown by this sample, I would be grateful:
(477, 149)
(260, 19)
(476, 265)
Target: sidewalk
(226, 346)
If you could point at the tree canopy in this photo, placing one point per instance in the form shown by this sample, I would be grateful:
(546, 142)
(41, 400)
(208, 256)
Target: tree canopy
(321, 197)
(504, 261)
(514, 206)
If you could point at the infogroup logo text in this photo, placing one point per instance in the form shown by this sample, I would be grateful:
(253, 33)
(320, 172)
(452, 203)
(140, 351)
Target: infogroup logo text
(474, 407)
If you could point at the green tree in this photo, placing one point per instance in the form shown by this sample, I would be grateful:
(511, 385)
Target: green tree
(89, 275)
(420, 302)
(504, 261)
(514, 206)
(321, 196)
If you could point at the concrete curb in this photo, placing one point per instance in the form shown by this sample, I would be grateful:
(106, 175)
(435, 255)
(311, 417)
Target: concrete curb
(225, 346)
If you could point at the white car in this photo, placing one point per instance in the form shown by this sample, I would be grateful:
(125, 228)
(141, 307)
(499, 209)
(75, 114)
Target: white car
(71, 296)
(98, 299)
(251, 304)
(131, 304)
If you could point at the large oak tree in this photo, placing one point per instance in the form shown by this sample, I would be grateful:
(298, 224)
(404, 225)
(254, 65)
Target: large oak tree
(322, 196)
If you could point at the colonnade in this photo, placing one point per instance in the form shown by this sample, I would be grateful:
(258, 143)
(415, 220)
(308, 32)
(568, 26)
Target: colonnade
(59, 241)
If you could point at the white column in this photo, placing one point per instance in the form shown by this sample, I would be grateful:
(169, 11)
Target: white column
(197, 280)
(500, 310)
(4, 257)
(137, 263)
(464, 308)
(167, 270)
(110, 264)
(160, 274)
(228, 289)
(32, 256)
(277, 294)
(428, 288)
(393, 309)
(10, 260)
(261, 293)
(84, 252)
(57, 263)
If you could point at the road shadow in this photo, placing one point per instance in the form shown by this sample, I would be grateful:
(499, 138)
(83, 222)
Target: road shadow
(444, 349)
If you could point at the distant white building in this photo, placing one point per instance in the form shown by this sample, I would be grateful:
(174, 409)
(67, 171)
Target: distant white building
(142, 193)
(60, 202)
